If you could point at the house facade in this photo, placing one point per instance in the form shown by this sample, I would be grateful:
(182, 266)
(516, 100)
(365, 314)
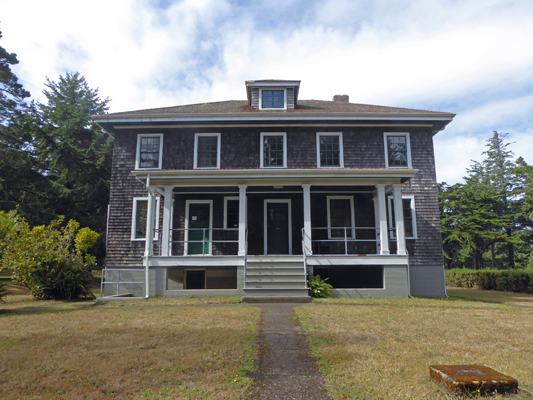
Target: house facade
(249, 197)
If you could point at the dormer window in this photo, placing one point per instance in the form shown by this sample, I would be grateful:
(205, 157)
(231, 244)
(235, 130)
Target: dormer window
(272, 94)
(273, 99)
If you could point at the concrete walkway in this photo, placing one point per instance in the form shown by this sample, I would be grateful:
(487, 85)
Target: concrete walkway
(285, 369)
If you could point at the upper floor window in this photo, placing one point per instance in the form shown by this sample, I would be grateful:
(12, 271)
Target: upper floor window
(397, 150)
(409, 217)
(273, 99)
(273, 150)
(207, 150)
(329, 149)
(140, 216)
(149, 151)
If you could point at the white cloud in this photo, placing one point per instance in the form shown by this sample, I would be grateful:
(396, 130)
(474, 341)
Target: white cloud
(472, 57)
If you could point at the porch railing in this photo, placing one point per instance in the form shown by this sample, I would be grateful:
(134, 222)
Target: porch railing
(344, 240)
(201, 246)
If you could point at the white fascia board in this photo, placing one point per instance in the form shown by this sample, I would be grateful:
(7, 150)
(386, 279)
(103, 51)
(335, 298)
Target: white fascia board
(279, 116)
(271, 174)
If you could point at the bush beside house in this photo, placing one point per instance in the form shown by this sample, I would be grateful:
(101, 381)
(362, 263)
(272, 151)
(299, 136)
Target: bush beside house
(516, 280)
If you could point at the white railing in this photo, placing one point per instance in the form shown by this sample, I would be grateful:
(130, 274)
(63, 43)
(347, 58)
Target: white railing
(345, 236)
(118, 282)
(207, 239)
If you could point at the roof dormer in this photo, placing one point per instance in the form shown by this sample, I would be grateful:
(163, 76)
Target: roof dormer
(272, 94)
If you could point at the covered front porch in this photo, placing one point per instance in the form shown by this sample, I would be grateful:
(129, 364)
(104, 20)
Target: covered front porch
(274, 227)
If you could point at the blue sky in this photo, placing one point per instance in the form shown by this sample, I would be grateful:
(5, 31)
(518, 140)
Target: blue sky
(470, 57)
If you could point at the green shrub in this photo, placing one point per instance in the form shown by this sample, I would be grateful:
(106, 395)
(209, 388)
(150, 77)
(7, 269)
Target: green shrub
(318, 287)
(51, 261)
(514, 280)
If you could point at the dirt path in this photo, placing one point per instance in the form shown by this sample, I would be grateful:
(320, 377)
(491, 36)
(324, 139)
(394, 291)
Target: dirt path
(285, 367)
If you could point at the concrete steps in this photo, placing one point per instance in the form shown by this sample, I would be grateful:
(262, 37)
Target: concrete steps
(271, 279)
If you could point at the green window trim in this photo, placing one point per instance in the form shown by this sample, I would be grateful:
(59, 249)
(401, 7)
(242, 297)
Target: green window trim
(329, 150)
(273, 146)
(397, 148)
(207, 150)
(273, 99)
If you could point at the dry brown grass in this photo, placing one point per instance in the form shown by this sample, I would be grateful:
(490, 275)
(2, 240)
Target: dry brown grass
(18, 299)
(178, 353)
(381, 349)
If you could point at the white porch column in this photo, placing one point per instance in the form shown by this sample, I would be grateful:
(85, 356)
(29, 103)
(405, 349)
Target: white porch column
(149, 241)
(150, 219)
(398, 217)
(242, 220)
(167, 226)
(383, 228)
(307, 220)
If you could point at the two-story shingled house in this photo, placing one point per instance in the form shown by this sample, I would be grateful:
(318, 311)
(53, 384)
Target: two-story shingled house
(248, 197)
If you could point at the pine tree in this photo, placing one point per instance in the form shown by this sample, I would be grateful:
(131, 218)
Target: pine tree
(75, 154)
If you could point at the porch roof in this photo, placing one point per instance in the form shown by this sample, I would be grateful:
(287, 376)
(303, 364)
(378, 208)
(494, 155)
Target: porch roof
(271, 177)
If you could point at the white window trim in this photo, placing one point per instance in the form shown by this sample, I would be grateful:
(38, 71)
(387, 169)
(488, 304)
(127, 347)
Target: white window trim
(406, 134)
(187, 204)
(271, 89)
(329, 198)
(265, 222)
(284, 134)
(138, 152)
(196, 136)
(341, 152)
(413, 212)
(226, 199)
(134, 218)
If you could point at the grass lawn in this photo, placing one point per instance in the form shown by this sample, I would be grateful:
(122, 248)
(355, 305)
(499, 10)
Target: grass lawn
(83, 350)
(381, 349)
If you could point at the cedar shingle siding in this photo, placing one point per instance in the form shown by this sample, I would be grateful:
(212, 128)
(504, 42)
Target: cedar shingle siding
(240, 149)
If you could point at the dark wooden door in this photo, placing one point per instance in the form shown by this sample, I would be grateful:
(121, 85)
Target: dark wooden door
(198, 237)
(277, 228)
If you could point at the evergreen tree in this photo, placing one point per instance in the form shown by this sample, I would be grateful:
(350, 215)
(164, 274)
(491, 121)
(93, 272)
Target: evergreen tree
(500, 174)
(21, 183)
(74, 153)
(12, 93)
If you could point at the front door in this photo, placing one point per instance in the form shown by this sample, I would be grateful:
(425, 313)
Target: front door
(199, 218)
(277, 222)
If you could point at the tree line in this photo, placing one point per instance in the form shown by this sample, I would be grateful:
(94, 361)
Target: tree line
(487, 221)
(53, 159)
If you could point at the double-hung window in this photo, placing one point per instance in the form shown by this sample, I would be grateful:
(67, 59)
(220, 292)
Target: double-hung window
(397, 150)
(149, 151)
(140, 216)
(409, 217)
(273, 99)
(207, 150)
(231, 212)
(329, 149)
(340, 215)
(273, 150)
